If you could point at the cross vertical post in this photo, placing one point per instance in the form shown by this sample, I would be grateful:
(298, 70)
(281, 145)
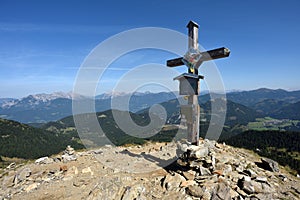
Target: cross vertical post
(189, 82)
(193, 126)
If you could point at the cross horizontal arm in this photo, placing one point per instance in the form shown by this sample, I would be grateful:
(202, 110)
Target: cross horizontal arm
(207, 55)
(175, 62)
(215, 54)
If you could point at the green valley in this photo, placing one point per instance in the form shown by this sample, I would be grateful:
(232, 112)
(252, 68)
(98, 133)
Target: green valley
(268, 123)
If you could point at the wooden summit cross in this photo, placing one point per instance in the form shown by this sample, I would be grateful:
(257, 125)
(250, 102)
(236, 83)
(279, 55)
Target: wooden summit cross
(189, 82)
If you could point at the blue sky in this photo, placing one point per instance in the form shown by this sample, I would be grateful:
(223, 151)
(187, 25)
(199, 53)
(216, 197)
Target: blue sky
(43, 43)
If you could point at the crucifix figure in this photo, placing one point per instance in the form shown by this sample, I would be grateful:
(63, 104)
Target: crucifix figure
(189, 82)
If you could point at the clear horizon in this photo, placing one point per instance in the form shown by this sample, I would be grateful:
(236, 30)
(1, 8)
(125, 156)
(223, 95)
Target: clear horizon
(43, 44)
(154, 92)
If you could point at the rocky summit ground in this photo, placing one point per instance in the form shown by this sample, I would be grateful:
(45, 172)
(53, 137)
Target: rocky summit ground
(153, 171)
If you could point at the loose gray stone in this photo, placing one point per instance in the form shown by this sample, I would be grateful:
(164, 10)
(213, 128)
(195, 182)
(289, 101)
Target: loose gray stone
(246, 185)
(201, 153)
(195, 164)
(67, 158)
(194, 190)
(197, 151)
(11, 166)
(44, 160)
(270, 164)
(258, 188)
(213, 161)
(296, 188)
(250, 172)
(210, 143)
(283, 177)
(23, 174)
(261, 179)
(8, 180)
(222, 192)
(227, 169)
(204, 171)
(183, 147)
(173, 182)
(267, 188)
(135, 192)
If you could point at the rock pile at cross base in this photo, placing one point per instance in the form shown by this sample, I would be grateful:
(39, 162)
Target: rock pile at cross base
(208, 171)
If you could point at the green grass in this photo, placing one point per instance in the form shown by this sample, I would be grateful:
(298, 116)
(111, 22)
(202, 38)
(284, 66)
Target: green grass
(262, 124)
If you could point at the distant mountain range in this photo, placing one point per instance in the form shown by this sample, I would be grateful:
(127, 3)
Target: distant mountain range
(278, 103)
(250, 98)
(43, 108)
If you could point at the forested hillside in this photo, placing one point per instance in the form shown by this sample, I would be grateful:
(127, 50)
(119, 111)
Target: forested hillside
(22, 141)
(283, 147)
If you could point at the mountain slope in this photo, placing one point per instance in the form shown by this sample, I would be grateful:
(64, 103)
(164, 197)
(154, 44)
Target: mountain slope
(252, 97)
(283, 147)
(22, 141)
(236, 113)
(111, 129)
(269, 106)
(291, 111)
(249, 98)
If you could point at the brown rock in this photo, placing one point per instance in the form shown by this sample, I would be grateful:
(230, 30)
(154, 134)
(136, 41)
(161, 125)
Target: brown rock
(219, 172)
(187, 183)
(87, 170)
(189, 175)
(63, 168)
(31, 187)
(72, 171)
(194, 190)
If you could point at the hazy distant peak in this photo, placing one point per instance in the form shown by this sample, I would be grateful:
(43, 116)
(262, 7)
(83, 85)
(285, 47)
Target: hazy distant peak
(43, 97)
(114, 94)
(36, 99)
